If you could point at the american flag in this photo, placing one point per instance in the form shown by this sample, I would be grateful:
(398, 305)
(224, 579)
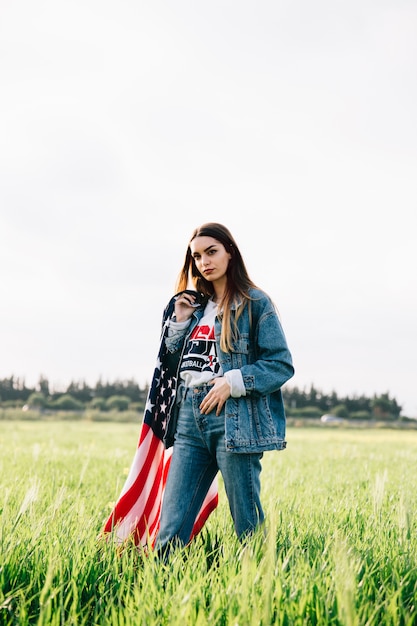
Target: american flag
(136, 513)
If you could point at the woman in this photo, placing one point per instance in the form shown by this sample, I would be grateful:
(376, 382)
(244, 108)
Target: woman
(226, 344)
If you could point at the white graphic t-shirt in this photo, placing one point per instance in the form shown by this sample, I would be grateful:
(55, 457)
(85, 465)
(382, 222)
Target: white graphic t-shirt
(200, 362)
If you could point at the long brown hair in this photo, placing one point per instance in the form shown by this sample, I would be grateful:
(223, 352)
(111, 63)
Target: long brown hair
(237, 285)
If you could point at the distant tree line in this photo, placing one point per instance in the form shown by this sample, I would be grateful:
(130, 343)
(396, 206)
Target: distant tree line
(119, 395)
(123, 395)
(313, 403)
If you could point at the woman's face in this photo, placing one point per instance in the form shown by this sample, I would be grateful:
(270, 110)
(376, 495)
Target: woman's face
(210, 258)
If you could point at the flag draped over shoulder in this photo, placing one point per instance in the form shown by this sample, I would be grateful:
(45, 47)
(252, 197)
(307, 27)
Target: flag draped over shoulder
(136, 513)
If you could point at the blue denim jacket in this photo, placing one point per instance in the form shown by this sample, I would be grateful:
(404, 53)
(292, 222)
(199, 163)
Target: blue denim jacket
(255, 422)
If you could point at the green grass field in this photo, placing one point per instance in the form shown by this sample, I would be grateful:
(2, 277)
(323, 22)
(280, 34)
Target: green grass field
(340, 545)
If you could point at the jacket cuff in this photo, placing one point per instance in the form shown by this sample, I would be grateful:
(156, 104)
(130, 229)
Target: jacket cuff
(235, 380)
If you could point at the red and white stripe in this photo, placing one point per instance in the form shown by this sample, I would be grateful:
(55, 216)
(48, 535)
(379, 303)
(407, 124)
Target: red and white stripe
(137, 511)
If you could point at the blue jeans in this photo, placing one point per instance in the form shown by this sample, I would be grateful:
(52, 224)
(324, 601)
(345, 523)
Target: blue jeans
(199, 453)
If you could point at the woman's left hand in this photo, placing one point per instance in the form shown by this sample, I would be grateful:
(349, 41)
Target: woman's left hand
(216, 397)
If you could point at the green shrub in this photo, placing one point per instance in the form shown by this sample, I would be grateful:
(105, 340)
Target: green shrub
(118, 403)
(137, 406)
(307, 411)
(98, 403)
(340, 410)
(15, 404)
(67, 403)
(36, 400)
(360, 415)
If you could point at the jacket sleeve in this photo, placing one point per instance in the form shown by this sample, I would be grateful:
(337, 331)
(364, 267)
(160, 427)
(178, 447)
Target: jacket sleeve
(175, 335)
(170, 352)
(272, 365)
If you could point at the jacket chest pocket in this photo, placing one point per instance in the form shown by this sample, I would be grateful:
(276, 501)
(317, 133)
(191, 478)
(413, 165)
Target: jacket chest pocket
(240, 352)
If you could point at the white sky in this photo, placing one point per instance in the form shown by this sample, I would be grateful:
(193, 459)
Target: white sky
(124, 125)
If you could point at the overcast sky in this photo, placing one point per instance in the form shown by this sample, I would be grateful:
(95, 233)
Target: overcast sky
(124, 125)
